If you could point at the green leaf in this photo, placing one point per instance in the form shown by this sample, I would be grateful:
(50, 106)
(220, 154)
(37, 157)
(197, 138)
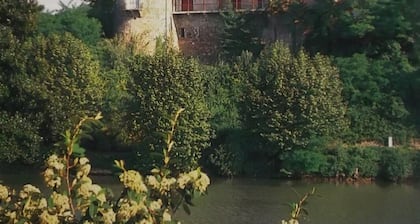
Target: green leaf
(186, 208)
(78, 151)
(93, 209)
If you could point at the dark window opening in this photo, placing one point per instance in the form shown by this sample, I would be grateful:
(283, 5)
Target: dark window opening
(182, 33)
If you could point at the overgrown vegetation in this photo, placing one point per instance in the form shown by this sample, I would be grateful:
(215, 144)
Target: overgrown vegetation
(76, 199)
(351, 76)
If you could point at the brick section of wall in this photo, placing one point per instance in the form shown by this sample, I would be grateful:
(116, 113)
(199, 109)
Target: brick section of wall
(199, 35)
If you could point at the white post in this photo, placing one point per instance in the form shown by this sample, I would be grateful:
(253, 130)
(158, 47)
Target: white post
(390, 141)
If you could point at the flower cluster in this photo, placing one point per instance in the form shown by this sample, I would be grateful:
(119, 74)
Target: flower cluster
(75, 198)
(132, 180)
(55, 169)
(4, 193)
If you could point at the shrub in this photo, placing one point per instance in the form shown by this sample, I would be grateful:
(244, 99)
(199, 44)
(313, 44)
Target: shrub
(396, 163)
(19, 139)
(74, 198)
(301, 162)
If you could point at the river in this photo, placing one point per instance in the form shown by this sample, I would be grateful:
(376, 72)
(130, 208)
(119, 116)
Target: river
(264, 201)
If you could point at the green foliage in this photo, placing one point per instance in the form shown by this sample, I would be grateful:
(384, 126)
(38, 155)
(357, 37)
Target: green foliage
(74, 21)
(301, 162)
(20, 16)
(53, 81)
(376, 108)
(353, 162)
(396, 163)
(19, 139)
(239, 34)
(293, 98)
(346, 27)
(74, 198)
(159, 85)
(103, 10)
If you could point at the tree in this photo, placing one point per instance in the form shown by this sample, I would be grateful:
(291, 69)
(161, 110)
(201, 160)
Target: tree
(103, 10)
(51, 81)
(239, 34)
(293, 98)
(20, 16)
(74, 21)
(160, 85)
(372, 90)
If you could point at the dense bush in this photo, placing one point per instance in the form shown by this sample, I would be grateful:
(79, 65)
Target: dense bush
(57, 78)
(371, 88)
(19, 139)
(49, 81)
(371, 162)
(396, 163)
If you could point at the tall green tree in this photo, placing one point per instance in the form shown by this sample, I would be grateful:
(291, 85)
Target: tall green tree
(239, 34)
(160, 86)
(293, 98)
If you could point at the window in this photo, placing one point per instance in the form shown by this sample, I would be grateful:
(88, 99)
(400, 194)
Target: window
(182, 32)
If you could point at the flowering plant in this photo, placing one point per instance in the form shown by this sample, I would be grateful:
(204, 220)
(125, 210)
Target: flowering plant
(152, 199)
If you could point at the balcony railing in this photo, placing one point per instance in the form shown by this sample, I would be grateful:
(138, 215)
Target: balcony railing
(208, 6)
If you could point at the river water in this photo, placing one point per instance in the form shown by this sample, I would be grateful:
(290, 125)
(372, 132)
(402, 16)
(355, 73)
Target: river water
(264, 201)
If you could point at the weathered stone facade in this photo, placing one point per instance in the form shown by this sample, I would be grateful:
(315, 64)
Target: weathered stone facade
(194, 27)
(152, 20)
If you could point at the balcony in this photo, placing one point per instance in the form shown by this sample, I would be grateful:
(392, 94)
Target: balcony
(215, 6)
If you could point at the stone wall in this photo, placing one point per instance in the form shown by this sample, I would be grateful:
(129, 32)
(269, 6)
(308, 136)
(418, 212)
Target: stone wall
(199, 34)
(153, 21)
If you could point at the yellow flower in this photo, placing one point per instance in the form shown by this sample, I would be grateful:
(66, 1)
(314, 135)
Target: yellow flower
(149, 220)
(202, 183)
(166, 217)
(194, 174)
(61, 202)
(165, 184)
(42, 203)
(27, 190)
(54, 162)
(83, 161)
(83, 170)
(46, 218)
(4, 192)
(132, 180)
(183, 180)
(97, 190)
(85, 187)
(153, 182)
(155, 205)
(108, 216)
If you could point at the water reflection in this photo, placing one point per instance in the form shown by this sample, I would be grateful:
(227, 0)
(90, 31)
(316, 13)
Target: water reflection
(263, 201)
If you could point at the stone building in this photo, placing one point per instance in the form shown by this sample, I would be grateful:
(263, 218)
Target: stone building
(192, 26)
